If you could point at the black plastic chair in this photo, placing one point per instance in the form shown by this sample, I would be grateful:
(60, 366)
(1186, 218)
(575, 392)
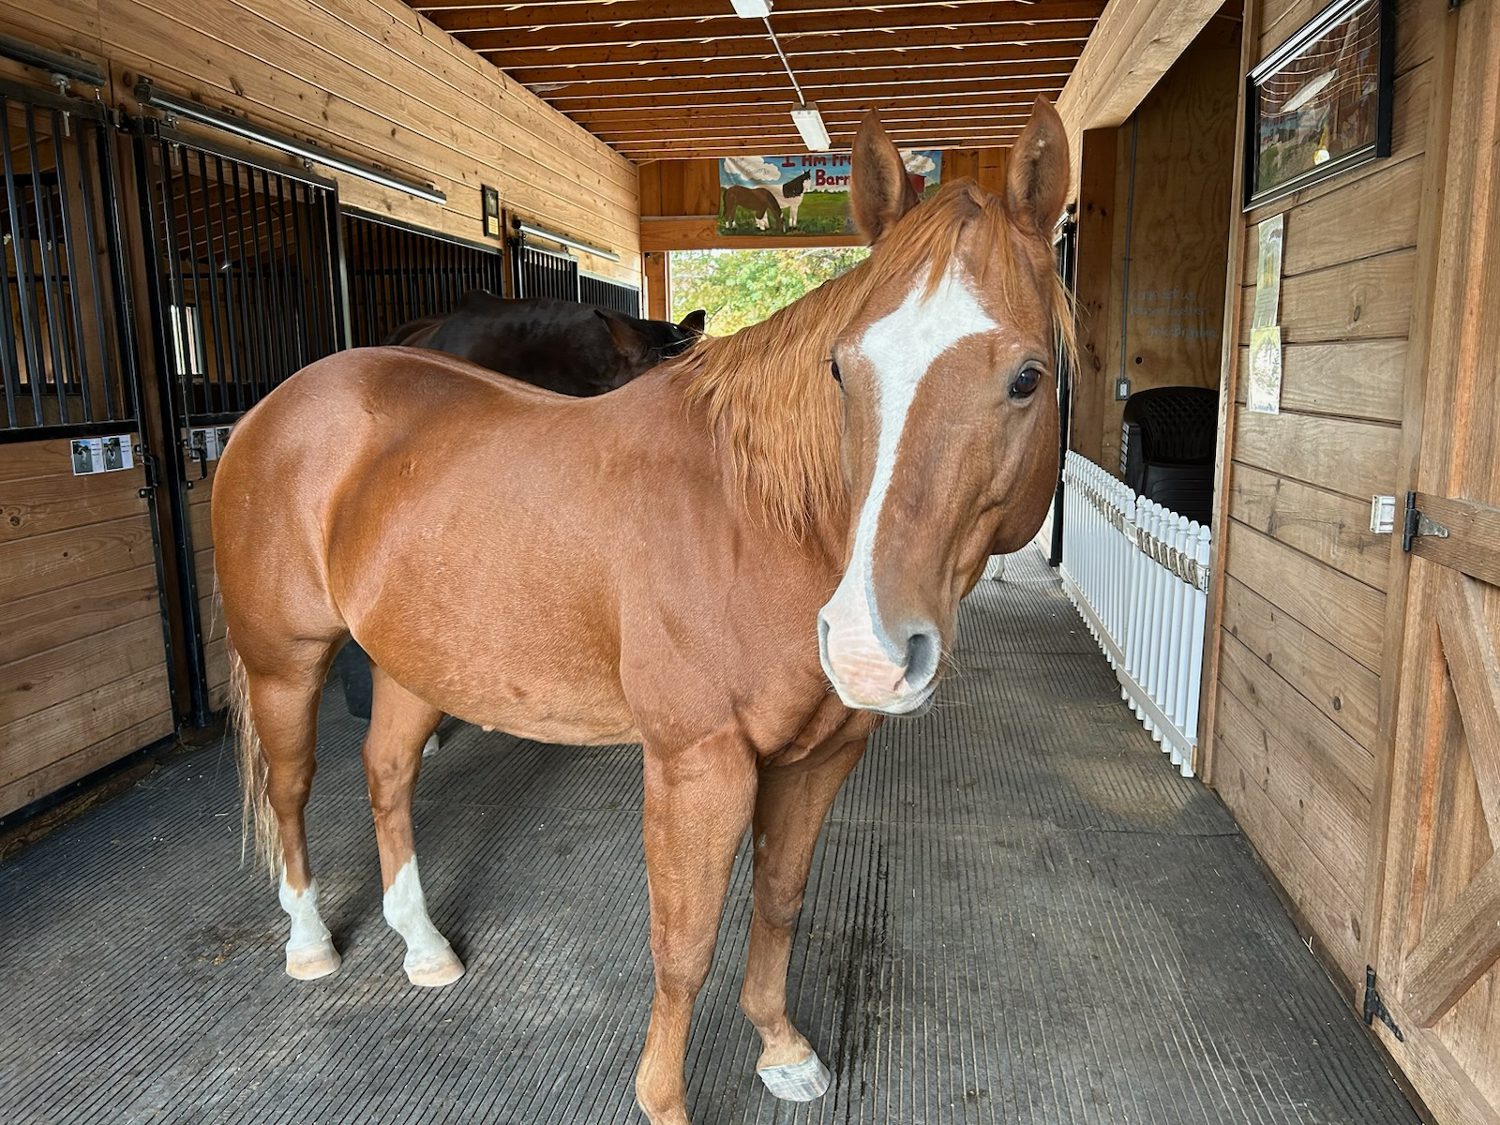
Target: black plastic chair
(1167, 442)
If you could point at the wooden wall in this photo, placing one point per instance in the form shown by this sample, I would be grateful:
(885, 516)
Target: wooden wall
(680, 202)
(370, 79)
(1156, 189)
(83, 669)
(1305, 662)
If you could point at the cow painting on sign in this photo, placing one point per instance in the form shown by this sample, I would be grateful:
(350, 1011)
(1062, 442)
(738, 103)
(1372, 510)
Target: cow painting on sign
(866, 449)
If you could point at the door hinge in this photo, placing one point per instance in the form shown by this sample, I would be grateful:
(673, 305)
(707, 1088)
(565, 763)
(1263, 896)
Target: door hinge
(1418, 524)
(1375, 1008)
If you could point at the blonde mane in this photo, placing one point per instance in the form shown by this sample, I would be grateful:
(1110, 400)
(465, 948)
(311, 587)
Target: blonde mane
(767, 389)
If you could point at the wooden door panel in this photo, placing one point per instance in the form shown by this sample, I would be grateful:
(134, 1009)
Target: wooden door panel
(1438, 953)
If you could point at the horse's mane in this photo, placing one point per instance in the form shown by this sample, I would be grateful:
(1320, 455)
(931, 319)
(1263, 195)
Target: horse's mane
(768, 391)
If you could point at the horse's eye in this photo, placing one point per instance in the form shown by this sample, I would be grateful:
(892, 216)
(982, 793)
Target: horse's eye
(1026, 382)
(837, 375)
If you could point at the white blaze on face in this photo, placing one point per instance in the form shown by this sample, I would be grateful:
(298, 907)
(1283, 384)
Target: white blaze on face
(900, 348)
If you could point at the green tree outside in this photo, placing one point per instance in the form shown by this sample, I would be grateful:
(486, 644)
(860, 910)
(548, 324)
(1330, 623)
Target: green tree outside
(740, 287)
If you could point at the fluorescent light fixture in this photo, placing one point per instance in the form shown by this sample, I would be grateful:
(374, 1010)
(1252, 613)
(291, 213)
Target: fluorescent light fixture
(533, 231)
(752, 9)
(174, 106)
(809, 123)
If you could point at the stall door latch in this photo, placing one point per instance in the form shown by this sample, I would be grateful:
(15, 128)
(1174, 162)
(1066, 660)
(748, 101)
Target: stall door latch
(1418, 524)
(1375, 1008)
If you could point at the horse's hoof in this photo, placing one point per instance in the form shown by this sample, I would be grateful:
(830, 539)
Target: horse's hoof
(431, 746)
(434, 972)
(312, 962)
(803, 1081)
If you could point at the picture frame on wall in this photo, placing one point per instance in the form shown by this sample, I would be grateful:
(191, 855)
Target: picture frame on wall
(1321, 103)
(490, 198)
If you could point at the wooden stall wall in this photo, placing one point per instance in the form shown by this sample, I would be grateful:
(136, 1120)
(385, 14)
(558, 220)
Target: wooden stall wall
(370, 79)
(1152, 240)
(679, 202)
(83, 670)
(1305, 659)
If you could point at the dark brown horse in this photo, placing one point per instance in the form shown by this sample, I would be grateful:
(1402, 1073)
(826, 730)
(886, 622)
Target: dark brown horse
(760, 202)
(689, 562)
(566, 346)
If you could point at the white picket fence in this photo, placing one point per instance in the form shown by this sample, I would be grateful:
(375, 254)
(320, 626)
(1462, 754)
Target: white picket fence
(1138, 574)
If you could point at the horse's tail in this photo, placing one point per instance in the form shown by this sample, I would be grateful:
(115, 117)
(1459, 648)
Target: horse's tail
(257, 820)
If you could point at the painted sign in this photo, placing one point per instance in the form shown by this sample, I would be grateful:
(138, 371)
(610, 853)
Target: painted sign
(802, 195)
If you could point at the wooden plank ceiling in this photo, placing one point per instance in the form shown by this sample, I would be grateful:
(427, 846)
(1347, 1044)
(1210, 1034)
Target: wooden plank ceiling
(675, 79)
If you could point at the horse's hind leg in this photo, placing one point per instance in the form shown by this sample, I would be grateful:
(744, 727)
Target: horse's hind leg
(399, 725)
(284, 705)
(790, 808)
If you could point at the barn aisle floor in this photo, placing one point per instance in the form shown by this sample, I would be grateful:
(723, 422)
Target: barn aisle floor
(1020, 914)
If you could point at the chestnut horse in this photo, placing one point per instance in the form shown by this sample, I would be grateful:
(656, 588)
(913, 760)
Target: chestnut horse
(688, 562)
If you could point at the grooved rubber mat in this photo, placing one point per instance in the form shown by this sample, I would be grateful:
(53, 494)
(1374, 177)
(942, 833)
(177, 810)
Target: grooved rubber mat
(1019, 914)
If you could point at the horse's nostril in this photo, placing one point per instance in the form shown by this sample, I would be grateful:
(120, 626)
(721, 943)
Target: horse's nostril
(923, 648)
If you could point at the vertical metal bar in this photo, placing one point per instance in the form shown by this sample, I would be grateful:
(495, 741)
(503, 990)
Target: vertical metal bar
(86, 177)
(266, 347)
(411, 270)
(10, 361)
(275, 369)
(182, 192)
(255, 351)
(51, 271)
(63, 191)
(234, 294)
(177, 311)
(290, 327)
(333, 254)
(311, 324)
(25, 284)
(277, 327)
(213, 287)
(367, 277)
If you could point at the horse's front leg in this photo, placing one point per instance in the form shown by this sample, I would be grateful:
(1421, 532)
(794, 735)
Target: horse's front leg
(698, 803)
(790, 808)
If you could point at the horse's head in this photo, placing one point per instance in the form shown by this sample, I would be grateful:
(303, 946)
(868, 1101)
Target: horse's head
(640, 345)
(950, 412)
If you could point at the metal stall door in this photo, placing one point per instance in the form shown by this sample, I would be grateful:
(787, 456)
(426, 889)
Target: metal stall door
(609, 294)
(543, 273)
(1438, 960)
(84, 660)
(245, 289)
(397, 274)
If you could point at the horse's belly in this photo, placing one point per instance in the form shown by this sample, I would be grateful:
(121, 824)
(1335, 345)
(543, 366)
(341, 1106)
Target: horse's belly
(576, 715)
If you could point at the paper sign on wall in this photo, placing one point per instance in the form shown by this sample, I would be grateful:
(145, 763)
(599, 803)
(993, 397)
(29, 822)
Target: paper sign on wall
(1263, 381)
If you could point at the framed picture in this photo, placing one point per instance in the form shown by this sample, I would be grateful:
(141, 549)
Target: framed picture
(491, 200)
(1320, 104)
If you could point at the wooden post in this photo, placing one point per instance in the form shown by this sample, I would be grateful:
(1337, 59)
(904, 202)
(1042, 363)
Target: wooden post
(658, 280)
(1096, 210)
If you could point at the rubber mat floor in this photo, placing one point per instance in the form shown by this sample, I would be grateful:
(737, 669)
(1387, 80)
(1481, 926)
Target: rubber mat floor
(1019, 914)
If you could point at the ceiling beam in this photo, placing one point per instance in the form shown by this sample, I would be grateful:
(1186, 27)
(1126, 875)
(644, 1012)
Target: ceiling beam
(998, 62)
(850, 43)
(857, 92)
(713, 15)
(777, 111)
(942, 29)
(1136, 42)
(793, 144)
(545, 12)
(846, 121)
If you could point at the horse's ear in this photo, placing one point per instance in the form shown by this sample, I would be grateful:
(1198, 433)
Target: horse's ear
(629, 341)
(694, 322)
(1036, 185)
(881, 192)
